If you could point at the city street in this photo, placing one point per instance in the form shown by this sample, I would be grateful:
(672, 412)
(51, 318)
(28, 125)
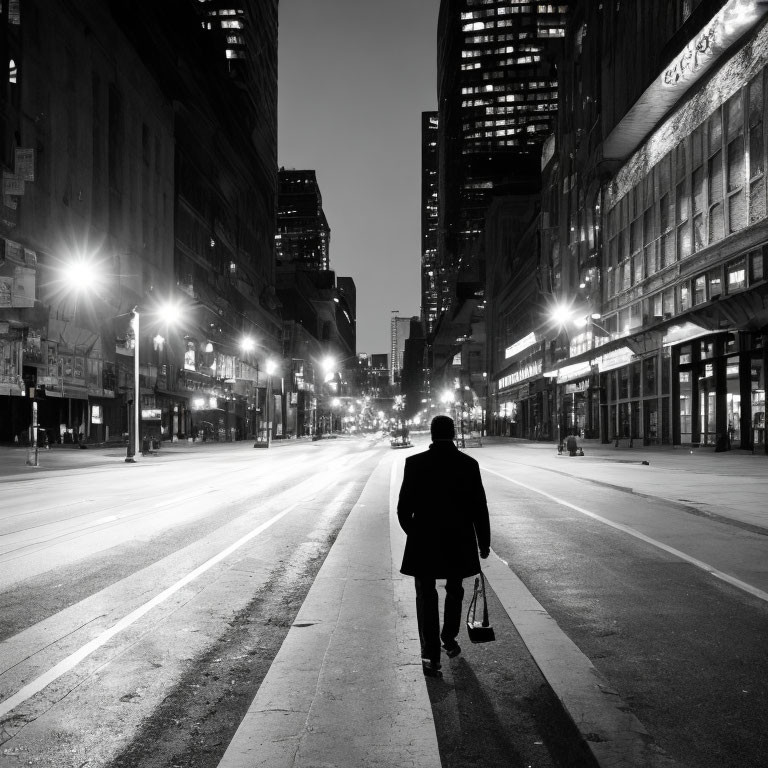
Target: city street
(147, 609)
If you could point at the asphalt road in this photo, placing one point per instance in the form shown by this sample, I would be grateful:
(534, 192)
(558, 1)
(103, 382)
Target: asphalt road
(140, 607)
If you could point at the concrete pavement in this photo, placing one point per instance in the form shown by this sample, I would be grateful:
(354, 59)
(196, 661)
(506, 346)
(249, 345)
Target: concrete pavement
(346, 689)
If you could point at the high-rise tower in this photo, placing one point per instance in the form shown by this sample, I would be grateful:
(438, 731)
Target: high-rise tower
(430, 284)
(497, 96)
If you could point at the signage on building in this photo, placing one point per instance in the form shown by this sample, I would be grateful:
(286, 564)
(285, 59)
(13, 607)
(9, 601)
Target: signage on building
(525, 372)
(614, 359)
(519, 346)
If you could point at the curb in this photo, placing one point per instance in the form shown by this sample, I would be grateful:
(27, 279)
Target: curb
(611, 733)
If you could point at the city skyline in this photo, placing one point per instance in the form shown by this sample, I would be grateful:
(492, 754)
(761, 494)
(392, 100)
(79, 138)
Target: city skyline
(349, 107)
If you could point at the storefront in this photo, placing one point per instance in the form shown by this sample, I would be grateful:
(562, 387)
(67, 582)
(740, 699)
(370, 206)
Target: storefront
(720, 383)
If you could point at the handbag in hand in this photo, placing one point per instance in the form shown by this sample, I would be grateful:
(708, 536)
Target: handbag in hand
(479, 631)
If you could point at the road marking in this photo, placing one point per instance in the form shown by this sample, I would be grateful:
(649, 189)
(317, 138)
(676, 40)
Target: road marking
(732, 580)
(71, 661)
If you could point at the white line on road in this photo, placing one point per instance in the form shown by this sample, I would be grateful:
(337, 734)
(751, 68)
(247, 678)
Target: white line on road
(67, 664)
(732, 580)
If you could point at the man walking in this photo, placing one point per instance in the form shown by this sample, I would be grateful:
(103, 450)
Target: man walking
(443, 511)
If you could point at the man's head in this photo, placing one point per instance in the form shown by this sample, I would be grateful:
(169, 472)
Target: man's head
(442, 428)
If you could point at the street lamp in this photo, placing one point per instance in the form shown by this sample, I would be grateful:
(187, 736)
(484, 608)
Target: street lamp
(169, 313)
(271, 367)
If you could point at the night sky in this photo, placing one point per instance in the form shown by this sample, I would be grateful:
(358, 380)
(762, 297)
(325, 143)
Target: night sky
(354, 78)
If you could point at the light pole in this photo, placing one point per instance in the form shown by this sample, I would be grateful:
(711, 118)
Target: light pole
(271, 367)
(133, 443)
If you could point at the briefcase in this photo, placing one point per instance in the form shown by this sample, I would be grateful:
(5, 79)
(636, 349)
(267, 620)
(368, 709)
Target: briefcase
(479, 631)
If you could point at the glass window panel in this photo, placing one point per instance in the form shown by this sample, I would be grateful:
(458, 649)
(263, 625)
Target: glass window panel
(650, 259)
(757, 200)
(681, 201)
(684, 241)
(699, 234)
(665, 214)
(681, 152)
(716, 223)
(734, 116)
(684, 298)
(737, 274)
(663, 171)
(649, 233)
(715, 278)
(697, 147)
(756, 100)
(716, 178)
(668, 249)
(737, 211)
(736, 167)
(636, 231)
(756, 267)
(715, 126)
(699, 290)
(639, 269)
(756, 162)
(668, 301)
(698, 189)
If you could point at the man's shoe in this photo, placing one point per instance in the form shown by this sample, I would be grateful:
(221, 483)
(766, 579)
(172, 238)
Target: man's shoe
(452, 649)
(431, 668)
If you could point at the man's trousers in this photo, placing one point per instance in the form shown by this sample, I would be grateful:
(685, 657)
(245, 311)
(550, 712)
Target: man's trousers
(428, 615)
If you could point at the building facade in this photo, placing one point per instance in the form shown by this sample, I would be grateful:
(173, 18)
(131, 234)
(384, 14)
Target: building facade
(497, 102)
(113, 135)
(654, 227)
(303, 236)
(429, 221)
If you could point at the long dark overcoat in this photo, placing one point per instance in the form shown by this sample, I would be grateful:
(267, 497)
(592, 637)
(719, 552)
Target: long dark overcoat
(443, 511)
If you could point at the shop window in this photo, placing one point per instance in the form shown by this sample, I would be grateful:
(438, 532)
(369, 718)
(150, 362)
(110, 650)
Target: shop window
(649, 376)
(685, 355)
(731, 343)
(737, 275)
(699, 290)
(686, 407)
(665, 371)
(715, 279)
(623, 383)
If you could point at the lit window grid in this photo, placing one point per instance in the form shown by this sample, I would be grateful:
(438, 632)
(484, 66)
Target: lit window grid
(712, 192)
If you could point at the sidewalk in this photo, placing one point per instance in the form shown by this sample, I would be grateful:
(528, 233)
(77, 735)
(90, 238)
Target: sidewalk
(346, 688)
(732, 485)
(13, 459)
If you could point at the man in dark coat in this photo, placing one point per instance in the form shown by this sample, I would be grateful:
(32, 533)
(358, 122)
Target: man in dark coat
(443, 511)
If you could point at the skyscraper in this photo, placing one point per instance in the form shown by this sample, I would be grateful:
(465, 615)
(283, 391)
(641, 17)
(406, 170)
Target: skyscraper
(497, 97)
(400, 330)
(303, 235)
(430, 285)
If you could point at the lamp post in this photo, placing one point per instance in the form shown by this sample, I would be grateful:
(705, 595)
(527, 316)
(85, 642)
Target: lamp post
(271, 367)
(133, 440)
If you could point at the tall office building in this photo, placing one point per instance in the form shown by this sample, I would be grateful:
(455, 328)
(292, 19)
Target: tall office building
(430, 283)
(400, 330)
(497, 97)
(303, 236)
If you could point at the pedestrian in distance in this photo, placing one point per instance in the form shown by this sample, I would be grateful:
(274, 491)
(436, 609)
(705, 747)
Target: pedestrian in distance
(442, 509)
